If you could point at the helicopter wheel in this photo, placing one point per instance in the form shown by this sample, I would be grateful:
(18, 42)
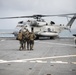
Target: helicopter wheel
(51, 37)
(16, 38)
(37, 37)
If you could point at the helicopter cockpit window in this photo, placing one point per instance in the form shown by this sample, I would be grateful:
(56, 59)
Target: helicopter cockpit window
(21, 22)
(52, 22)
(49, 30)
(41, 20)
(60, 24)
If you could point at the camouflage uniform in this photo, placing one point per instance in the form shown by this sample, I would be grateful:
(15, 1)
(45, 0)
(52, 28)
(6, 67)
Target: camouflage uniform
(26, 39)
(21, 45)
(20, 40)
(32, 37)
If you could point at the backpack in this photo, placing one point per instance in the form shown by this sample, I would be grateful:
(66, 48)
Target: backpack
(26, 35)
(20, 36)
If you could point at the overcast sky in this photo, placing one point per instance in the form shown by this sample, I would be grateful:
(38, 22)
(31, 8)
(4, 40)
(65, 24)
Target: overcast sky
(10, 8)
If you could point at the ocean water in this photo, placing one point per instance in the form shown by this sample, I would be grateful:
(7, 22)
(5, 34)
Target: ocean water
(67, 33)
(6, 32)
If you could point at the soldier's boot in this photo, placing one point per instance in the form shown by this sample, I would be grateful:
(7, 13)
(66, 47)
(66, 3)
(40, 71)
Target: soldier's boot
(27, 47)
(20, 48)
(32, 47)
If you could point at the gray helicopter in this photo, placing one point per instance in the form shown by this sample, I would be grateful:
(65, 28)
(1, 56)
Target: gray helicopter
(40, 27)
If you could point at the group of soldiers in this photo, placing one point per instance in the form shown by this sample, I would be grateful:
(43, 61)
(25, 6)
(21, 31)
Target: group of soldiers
(26, 39)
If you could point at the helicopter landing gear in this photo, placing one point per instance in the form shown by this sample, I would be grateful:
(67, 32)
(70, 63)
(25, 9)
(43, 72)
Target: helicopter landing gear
(51, 37)
(37, 37)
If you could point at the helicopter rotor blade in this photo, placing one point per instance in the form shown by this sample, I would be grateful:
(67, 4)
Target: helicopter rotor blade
(59, 14)
(38, 16)
(16, 17)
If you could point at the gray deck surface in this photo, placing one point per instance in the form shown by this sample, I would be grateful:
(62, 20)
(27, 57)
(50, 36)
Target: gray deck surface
(49, 57)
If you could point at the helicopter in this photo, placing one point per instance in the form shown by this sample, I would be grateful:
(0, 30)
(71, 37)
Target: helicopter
(40, 27)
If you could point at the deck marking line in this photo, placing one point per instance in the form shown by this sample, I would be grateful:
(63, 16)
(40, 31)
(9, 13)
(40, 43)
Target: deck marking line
(36, 59)
(56, 43)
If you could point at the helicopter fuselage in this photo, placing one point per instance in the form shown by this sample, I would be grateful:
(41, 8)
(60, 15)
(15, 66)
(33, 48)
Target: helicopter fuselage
(42, 29)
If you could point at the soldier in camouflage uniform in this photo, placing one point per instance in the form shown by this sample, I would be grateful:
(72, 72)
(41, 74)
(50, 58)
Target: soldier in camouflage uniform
(20, 40)
(32, 37)
(26, 39)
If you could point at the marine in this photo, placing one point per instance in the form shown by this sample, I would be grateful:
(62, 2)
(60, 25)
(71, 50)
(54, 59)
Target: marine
(26, 40)
(20, 40)
(32, 37)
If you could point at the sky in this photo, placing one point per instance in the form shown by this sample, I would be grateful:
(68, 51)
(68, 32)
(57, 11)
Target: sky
(11, 8)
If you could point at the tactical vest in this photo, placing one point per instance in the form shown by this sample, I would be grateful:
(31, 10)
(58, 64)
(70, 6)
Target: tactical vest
(26, 35)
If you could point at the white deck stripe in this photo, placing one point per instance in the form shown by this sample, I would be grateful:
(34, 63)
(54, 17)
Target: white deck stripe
(59, 62)
(37, 59)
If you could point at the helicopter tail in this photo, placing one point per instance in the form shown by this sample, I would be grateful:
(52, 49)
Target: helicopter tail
(69, 24)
